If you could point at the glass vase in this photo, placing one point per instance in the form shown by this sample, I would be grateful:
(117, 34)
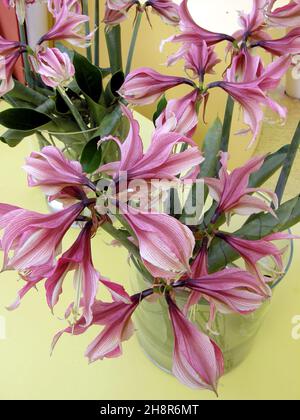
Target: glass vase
(235, 334)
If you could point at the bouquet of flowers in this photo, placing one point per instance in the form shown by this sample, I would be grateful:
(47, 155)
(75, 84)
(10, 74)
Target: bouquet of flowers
(171, 205)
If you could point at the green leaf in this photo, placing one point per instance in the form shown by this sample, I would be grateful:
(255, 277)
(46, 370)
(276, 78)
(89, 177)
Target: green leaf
(288, 164)
(105, 72)
(114, 48)
(227, 124)
(98, 111)
(73, 86)
(110, 123)
(23, 119)
(260, 226)
(25, 93)
(114, 85)
(67, 127)
(89, 80)
(47, 107)
(271, 165)
(91, 156)
(17, 103)
(211, 149)
(109, 127)
(162, 105)
(88, 77)
(14, 137)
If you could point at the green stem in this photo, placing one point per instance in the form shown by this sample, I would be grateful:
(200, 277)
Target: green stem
(133, 42)
(142, 270)
(227, 124)
(83, 127)
(52, 140)
(288, 164)
(122, 237)
(97, 34)
(114, 48)
(27, 68)
(85, 10)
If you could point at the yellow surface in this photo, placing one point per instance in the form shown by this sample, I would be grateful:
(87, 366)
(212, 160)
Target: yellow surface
(27, 372)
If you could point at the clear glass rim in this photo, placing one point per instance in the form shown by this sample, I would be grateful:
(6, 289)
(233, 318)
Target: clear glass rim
(69, 133)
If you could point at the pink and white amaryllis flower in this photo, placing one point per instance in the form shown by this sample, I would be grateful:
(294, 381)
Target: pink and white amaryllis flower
(231, 191)
(30, 284)
(166, 245)
(254, 252)
(54, 67)
(166, 9)
(230, 291)
(145, 86)
(286, 16)
(78, 259)
(116, 318)
(252, 95)
(289, 44)
(116, 10)
(192, 33)
(253, 24)
(8, 47)
(7, 65)
(114, 17)
(200, 59)
(32, 240)
(20, 6)
(55, 6)
(159, 162)
(183, 113)
(118, 4)
(245, 67)
(53, 172)
(197, 360)
(199, 268)
(10, 52)
(68, 26)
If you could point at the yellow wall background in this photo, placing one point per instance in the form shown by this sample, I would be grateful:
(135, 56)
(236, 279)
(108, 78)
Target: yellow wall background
(148, 55)
(272, 371)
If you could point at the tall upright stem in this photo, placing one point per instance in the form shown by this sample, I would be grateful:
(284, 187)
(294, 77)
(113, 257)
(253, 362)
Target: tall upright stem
(114, 48)
(27, 69)
(133, 41)
(85, 9)
(288, 164)
(227, 124)
(74, 112)
(97, 34)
